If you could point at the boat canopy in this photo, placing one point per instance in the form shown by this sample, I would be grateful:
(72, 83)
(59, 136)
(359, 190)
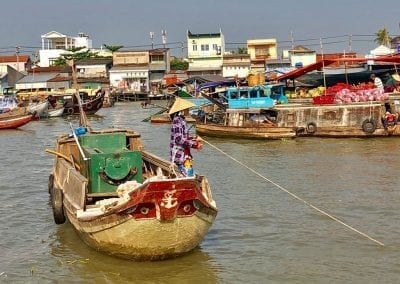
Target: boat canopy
(325, 62)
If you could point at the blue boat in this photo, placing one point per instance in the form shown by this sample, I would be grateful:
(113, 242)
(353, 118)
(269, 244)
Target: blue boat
(260, 96)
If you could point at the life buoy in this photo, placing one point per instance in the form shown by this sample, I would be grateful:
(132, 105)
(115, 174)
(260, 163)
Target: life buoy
(70, 110)
(369, 125)
(311, 128)
(89, 106)
(57, 205)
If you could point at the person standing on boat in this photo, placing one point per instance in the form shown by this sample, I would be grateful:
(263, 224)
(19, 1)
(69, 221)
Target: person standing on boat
(377, 81)
(181, 142)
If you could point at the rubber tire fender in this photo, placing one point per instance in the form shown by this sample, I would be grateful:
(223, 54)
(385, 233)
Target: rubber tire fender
(369, 125)
(311, 128)
(57, 205)
(51, 182)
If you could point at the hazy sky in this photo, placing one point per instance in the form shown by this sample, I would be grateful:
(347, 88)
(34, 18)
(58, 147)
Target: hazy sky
(129, 22)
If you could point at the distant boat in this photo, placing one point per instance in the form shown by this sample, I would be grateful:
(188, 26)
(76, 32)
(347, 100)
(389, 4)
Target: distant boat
(90, 104)
(244, 113)
(54, 112)
(274, 121)
(39, 108)
(10, 121)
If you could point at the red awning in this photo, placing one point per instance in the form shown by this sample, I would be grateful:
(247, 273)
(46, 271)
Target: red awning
(303, 70)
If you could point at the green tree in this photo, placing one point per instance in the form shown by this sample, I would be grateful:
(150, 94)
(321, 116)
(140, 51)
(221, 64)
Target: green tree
(177, 64)
(76, 54)
(242, 50)
(382, 37)
(113, 48)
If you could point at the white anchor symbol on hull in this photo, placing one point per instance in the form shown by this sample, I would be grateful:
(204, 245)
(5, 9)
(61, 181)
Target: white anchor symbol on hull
(169, 201)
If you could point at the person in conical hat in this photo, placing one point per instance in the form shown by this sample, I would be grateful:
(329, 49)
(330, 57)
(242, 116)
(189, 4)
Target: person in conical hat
(181, 142)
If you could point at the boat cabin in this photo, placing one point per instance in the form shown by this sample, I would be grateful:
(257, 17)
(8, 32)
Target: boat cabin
(261, 96)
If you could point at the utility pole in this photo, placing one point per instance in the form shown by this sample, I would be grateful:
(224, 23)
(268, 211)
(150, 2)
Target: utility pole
(17, 48)
(350, 39)
(182, 50)
(152, 39)
(292, 39)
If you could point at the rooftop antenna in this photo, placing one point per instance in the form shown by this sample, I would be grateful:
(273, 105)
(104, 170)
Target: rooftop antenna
(164, 37)
(17, 48)
(323, 64)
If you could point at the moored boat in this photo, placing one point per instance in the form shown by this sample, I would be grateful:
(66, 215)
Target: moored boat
(364, 116)
(90, 105)
(55, 112)
(39, 108)
(125, 201)
(243, 123)
(15, 121)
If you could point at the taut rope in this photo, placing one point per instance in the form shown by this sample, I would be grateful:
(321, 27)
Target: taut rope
(294, 195)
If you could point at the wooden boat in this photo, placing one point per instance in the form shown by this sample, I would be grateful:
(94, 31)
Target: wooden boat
(363, 119)
(243, 123)
(243, 113)
(90, 104)
(55, 112)
(14, 121)
(125, 201)
(39, 108)
(354, 119)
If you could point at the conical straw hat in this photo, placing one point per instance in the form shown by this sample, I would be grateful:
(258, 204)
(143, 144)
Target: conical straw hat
(396, 77)
(180, 104)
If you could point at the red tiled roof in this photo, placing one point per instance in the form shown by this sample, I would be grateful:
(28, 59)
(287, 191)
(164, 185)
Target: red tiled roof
(13, 58)
(51, 69)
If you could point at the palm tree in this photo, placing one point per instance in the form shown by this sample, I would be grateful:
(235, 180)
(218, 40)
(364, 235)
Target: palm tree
(113, 48)
(242, 50)
(382, 37)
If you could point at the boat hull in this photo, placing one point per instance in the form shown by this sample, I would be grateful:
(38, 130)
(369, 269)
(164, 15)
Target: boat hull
(89, 106)
(15, 122)
(39, 109)
(56, 112)
(256, 132)
(163, 216)
(124, 237)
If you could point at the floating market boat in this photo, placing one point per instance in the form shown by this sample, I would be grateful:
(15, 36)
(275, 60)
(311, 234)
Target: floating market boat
(126, 201)
(257, 115)
(244, 112)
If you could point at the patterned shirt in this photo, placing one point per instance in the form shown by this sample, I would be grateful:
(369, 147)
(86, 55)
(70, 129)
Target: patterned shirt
(180, 142)
(378, 83)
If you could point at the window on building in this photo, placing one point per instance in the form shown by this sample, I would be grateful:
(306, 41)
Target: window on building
(156, 58)
(205, 47)
(52, 61)
(262, 52)
(215, 47)
(194, 47)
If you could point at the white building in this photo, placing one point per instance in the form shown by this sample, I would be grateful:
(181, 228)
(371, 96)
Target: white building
(205, 53)
(236, 65)
(54, 44)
